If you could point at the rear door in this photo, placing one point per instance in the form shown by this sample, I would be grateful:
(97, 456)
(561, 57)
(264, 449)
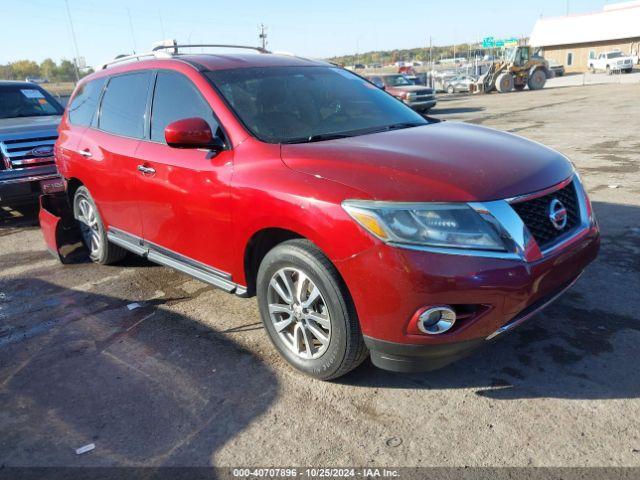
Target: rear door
(184, 197)
(81, 113)
(108, 150)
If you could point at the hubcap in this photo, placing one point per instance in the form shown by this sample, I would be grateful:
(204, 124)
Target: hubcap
(299, 313)
(89, 227)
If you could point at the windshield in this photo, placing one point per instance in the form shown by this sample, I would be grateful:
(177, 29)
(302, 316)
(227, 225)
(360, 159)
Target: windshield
(26, 101)
(510, 54)
(304, 104)
(614, 55)
(395, 80)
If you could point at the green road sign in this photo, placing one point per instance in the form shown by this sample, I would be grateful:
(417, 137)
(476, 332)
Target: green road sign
(488, 42)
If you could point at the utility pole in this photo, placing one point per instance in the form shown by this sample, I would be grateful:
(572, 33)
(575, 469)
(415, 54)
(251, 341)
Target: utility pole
(75, 44)
(263, 36)
(567, 8)
(430, 62)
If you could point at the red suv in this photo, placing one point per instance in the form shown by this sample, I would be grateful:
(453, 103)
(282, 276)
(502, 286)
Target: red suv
(363, 227)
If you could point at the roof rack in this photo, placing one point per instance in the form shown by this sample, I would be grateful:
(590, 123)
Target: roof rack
(160, 51)
(176, 47)
(135, 56)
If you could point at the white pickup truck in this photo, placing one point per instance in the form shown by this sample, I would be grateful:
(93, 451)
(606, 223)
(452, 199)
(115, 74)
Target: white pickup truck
(611, 62)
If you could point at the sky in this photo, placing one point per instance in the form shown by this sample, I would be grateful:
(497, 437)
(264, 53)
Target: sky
(37, 29)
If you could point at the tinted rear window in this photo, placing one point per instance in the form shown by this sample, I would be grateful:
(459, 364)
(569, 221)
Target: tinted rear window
(83, 106)
(123, 105)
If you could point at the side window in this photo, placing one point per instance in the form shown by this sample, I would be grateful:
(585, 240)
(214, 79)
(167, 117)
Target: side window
(124, 104)
(176, 98)
(377, 81)
(82, 108)
(569, 59)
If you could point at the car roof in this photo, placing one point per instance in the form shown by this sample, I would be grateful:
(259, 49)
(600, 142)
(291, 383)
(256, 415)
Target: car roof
(204, 62)
(223, 61)
(226, 62)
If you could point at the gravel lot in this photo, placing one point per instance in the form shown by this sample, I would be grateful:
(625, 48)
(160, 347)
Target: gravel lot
(191, 379)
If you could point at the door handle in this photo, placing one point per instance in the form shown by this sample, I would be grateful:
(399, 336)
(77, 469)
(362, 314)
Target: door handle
(85, 153)
(146, 170)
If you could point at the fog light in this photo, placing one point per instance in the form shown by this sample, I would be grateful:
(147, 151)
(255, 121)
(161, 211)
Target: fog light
(436, 320)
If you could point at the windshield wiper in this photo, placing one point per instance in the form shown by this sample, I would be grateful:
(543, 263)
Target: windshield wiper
(397, 126)
(319, 137)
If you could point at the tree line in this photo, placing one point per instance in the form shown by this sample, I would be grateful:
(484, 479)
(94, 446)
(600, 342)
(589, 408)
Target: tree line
(64, 71)
(421, 54)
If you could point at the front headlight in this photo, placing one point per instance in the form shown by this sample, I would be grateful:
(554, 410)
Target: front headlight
(444, 225)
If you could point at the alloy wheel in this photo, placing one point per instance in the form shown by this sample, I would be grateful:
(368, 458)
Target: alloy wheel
(89, 226)
(299, 313)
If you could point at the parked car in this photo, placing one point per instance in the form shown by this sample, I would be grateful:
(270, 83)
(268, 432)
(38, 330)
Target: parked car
(460, 83)
(611, 62)
(29, 118)
(363, 227)
(417, 97)
(555, 68)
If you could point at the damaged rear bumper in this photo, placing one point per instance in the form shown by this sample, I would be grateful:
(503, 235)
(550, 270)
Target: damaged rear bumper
(59, 227)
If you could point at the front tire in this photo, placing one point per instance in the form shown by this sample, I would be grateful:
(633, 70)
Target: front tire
(504, 82)
(307, 311)
(92, 230)
(537, 79)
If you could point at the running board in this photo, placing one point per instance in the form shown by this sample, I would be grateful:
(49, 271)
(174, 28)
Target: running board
(175, 260)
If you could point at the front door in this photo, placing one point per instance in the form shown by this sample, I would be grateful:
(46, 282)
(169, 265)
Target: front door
(184, 198)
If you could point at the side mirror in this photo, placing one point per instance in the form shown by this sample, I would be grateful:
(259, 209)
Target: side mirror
(192, 133)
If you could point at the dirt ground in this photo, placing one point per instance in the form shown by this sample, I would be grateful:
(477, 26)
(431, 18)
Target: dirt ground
(190, 378)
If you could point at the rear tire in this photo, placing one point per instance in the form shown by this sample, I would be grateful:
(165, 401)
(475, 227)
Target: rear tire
(92, 229)
(450, 90)
(322, 338)
(504, 83)
(537, 80)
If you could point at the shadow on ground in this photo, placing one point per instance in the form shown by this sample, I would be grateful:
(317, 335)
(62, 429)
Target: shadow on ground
(13, 217)
(147, 386)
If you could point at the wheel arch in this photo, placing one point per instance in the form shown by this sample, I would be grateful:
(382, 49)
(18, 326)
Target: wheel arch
(72, 186)
(258, 245)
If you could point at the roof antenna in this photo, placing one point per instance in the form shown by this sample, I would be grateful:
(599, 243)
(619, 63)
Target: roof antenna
(263, 36)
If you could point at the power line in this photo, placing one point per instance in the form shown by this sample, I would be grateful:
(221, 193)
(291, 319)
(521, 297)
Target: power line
(75, 43)
(133, 38)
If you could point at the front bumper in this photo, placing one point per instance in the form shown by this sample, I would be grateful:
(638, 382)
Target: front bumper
(399, 357)
(24, 184)
(494, 294)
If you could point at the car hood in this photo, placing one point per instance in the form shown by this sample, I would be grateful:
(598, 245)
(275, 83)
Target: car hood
(20, 125)
(445, 162)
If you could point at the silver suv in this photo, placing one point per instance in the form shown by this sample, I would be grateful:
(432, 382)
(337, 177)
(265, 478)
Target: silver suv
(29, 118)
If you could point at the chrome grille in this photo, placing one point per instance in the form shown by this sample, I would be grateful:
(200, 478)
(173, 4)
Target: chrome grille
(535, 215)
(17, 152)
